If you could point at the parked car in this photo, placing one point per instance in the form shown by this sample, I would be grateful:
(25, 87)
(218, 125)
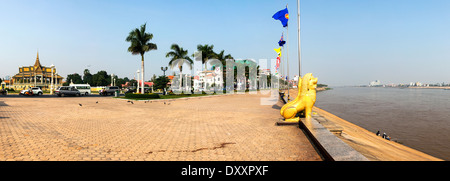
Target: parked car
(108, 90)
(146, 90)
(85, 89)
(31, 92)
(130, 91)
(67, 91)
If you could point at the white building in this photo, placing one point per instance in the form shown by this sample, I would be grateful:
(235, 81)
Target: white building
(206, 80)
(375, 83)
(295, 81)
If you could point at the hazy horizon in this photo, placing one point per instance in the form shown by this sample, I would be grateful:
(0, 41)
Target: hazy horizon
(345, 42)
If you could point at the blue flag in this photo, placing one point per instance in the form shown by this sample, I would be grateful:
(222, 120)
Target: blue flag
(283, 16)
(281, 42)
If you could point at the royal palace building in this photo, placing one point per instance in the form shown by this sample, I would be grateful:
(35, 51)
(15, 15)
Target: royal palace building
(36, 76)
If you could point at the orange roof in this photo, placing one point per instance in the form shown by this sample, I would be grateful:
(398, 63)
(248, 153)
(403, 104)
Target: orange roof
(146, 83)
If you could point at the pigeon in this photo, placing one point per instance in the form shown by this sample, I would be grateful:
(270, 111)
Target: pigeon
(96, 102)
(80, 105)
(164, 102)
(131, 102)
(128, 101)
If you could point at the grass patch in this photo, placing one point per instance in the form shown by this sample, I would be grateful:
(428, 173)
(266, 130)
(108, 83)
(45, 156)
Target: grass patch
(142, 96)
(174, 96)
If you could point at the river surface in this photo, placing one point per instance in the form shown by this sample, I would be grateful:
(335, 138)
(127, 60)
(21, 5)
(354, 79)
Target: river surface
(417, 118)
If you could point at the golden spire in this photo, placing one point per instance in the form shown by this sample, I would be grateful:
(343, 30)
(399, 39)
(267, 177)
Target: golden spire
(37, 63)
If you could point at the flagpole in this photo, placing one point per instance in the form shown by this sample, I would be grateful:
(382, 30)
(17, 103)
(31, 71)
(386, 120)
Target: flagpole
(287, 56)
(299, 49)
(281, 64)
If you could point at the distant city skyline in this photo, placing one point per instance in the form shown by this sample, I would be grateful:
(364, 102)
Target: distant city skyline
(417, 83)
(344, 42)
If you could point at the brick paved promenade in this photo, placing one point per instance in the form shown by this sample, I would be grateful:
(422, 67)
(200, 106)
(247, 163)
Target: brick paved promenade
(232, 127)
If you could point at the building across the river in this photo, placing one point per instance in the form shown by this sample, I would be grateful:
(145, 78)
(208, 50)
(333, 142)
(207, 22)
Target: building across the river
(36, 76)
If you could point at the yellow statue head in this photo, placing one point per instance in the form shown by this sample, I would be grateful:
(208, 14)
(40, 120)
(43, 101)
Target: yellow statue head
(312, 83)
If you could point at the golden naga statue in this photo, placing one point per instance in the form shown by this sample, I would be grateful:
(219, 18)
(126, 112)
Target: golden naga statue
(303, 102)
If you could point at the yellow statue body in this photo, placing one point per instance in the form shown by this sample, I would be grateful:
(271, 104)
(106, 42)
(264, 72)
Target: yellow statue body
(304, 101)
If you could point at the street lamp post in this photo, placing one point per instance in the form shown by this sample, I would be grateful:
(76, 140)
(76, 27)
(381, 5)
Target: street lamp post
(56, 77)
(137, 72)
(112, 79)
(51, 87)
(164, 69)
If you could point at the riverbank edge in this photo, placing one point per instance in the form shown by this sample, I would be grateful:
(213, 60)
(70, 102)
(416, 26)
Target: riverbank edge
(372, 146)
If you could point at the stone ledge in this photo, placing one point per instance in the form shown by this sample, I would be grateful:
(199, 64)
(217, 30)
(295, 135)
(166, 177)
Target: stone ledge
(330, 146)
(333, 128)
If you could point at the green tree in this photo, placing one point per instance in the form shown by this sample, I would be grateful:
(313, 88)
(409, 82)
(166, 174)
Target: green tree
(87, 77)
(161, 82)
(222, 57)
(120, 81)
(140, 43)
(75, 78)
(179, 57)
(101, 78)
(207, 52)
(132, 83)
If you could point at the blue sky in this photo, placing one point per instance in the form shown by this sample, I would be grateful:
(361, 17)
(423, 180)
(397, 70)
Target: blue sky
(344, 42)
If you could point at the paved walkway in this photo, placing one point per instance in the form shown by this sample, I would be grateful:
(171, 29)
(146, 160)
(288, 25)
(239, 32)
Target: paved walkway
(232, 127)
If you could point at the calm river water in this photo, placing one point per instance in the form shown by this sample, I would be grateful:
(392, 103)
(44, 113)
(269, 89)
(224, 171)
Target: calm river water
(417, 118)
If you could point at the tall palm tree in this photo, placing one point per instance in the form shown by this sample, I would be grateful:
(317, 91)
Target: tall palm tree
(222, 58)
(207, 53)
(179, 54)
(140, 43)
(179, 57)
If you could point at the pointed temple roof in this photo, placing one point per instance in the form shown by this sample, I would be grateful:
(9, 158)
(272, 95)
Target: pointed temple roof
(35, 70)
(37, 63)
